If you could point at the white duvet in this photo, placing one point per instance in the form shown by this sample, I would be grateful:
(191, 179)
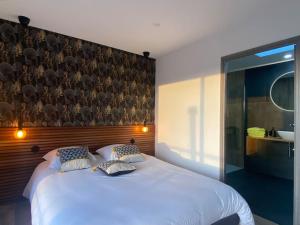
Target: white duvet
(157, 193)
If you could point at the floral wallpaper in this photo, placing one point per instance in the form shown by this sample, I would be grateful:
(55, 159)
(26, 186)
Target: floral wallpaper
(48, 79)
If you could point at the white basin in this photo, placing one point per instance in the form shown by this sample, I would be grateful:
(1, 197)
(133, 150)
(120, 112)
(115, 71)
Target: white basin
(286, 135)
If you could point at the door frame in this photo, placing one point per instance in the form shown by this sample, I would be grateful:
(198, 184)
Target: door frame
(224, 59)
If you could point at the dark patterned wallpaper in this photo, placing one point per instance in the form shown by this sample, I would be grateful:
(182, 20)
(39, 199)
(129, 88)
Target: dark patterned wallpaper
(48, 79)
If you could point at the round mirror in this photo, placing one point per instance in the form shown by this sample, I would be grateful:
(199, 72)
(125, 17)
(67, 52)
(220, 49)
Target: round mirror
(282, 92)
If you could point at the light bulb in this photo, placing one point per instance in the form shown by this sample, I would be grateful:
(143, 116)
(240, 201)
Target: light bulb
(145, 129)
(20, 134)
(288, 56)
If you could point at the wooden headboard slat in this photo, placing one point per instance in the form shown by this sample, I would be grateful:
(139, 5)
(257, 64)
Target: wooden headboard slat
(17, 162)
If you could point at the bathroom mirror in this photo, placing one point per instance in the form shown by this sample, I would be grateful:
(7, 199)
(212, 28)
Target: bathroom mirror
(282, 92)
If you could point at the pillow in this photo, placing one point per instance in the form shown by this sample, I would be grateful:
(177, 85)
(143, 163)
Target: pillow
(92, 157)
(106, 151)
(98, 159)
(72, 153)
(116, 167)
(50, 155)
(128, 153)
(54, 160)
(133, 158)
(56, 164)
(73, 158)
(75, 164)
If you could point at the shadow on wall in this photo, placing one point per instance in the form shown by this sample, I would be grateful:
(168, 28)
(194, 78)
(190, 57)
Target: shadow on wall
(170, 155)
(188, 124)
(192, 114)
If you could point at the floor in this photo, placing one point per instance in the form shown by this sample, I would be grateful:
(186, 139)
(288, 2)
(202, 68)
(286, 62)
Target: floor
(268, 197)
(262, 221)
(17, 213)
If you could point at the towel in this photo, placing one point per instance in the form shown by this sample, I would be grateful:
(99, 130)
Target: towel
(256, 132)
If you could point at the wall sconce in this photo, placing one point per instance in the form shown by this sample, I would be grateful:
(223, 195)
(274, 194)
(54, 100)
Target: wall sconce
(145, 129)
(20, 133)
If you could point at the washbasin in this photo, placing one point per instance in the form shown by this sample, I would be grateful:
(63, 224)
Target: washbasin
(286, 135)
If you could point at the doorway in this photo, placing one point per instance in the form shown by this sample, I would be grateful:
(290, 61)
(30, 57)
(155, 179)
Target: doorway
(259, 144)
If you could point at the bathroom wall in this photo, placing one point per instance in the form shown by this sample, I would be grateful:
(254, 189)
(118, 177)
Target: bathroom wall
(270, 158)
(261, 112)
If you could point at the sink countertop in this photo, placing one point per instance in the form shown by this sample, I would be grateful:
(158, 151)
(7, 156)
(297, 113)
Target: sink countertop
(279, 139)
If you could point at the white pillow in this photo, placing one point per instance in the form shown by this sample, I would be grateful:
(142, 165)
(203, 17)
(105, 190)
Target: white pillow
(98, 159)
(92, 157)
(54, 161)
(106, 152)
(50, 155)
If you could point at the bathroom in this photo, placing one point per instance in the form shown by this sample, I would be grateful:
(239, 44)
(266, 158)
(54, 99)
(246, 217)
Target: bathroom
(259, 131)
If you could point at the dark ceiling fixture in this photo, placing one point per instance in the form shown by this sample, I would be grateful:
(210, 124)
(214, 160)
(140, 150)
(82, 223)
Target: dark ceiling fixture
(24, 21)
(146, 54)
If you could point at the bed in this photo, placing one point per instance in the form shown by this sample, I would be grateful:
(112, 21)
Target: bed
(157, 193)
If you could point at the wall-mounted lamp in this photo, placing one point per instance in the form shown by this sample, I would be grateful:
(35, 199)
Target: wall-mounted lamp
(145, 129)
(20, 133)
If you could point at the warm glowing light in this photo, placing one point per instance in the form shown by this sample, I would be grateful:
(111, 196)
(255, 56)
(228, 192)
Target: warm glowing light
(145, 129)
(188, 123)
(20, 134)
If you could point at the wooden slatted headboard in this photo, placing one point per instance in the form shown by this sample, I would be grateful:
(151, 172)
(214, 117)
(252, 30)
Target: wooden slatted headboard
(17, 161)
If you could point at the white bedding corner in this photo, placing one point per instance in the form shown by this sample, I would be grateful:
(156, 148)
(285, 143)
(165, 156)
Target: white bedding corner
(157, 193)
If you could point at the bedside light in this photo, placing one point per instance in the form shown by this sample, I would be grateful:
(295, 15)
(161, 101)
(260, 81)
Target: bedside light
(145, 129)
(20, 133)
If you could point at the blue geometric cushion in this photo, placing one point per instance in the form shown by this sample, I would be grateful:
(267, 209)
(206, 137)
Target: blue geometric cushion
(71, 153)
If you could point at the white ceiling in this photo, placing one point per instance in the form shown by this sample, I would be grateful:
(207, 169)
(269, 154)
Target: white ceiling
(159, 26)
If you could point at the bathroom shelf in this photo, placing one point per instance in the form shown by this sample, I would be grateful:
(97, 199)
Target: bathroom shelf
(270, 139)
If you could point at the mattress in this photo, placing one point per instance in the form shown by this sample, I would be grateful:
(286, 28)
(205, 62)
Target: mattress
(157, 193)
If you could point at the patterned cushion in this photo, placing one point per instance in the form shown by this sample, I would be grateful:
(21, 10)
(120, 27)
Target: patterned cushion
(115, 167)
(133, 158)
(71, 153)
(120, 151)
(75, 164)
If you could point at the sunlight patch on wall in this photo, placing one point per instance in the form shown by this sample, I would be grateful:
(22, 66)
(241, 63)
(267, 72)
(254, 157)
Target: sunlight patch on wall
(188, 123)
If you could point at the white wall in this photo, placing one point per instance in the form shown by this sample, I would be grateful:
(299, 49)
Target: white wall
(188, 87)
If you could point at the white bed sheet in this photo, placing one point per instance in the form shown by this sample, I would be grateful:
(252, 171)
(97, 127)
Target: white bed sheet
(157, 193)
